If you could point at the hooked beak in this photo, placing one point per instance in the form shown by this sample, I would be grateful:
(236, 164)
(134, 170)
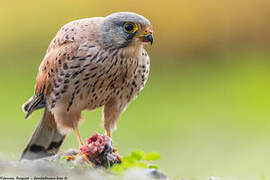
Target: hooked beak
(148, 36)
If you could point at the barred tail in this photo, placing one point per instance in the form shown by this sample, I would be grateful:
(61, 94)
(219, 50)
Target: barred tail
(46, 140)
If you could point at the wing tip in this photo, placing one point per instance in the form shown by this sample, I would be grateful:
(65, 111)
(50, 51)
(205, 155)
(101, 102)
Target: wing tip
(26, 109)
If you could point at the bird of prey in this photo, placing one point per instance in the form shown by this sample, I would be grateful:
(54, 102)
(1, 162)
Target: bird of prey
(90, 63)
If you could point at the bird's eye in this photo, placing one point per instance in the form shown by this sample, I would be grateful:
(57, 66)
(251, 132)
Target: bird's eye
(130, 27)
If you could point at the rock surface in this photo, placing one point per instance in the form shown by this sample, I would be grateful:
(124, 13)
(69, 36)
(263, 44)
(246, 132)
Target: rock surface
(55, 168)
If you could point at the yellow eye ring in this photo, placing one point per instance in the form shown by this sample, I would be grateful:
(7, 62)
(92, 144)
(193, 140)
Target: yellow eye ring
(130, 27)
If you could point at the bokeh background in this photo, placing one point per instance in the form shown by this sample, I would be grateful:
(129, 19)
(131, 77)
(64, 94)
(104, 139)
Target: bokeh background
(206, 105)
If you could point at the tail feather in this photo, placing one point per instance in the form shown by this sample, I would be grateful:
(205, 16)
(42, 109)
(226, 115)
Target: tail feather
(34, 103)
(45, 141)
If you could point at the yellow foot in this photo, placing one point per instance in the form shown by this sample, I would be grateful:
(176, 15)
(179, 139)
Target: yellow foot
(69, 158)
(109, 134)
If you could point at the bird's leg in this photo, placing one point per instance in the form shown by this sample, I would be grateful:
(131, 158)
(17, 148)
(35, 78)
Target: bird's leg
(79, 139)
(76, 130)
(111, 113)
(109, 133)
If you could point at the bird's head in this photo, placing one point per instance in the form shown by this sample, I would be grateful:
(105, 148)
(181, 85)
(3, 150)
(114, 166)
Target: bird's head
(125, 29)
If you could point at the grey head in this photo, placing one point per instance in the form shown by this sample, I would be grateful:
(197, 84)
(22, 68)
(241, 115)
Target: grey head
(124, 29)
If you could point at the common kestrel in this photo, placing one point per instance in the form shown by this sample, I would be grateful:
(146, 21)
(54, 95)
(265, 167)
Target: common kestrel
(90, 63)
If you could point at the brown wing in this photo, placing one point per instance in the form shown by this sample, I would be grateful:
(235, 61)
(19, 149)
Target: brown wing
(62, 48)
(48, 69)
(51, 65)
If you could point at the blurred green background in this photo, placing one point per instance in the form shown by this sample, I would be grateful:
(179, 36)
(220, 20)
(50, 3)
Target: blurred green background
(206, 105)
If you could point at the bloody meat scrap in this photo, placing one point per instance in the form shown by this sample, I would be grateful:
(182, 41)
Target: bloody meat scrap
(100, 151)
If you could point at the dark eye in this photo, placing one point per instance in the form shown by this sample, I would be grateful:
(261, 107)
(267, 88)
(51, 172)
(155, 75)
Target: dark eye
(130, 27)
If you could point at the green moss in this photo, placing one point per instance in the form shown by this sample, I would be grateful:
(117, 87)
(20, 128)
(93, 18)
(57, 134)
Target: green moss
(137, 159)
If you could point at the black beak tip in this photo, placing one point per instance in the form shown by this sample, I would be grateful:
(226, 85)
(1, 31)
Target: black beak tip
(150, 38)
